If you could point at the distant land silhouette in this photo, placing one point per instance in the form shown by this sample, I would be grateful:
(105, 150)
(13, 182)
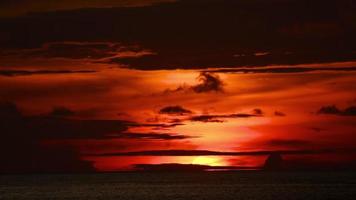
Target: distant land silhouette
(176, 167)
(274, 162)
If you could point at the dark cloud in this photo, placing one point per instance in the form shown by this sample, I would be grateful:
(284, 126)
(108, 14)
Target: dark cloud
(10, 2)
(287, 143)
(258, 111)
(279, 114)
(24, 139)
(329, 110)
(61, 128)
(350, 111)
(230, 61)
(208, 118)
(11, 73)
(14, 124)
(333, 110)
(174, 110)
(94, 51)
(284, 70)
(209, 82)
(57, 126)
(176, 122)
(75, 50)
(61, 112)
(9, 110)
(219, 153)
(22, 151)
(21, 7)
(200, 34)
(316, 129)
(219, 118)
(155, 136)
(21, 157)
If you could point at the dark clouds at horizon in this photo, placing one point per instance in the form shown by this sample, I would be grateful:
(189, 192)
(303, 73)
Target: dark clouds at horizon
(11, 8)
(49, 143)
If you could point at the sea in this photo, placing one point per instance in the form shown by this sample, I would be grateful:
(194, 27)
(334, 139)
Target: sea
(218, 185)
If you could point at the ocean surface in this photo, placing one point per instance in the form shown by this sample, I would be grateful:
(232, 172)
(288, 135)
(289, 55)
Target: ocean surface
(184, 186)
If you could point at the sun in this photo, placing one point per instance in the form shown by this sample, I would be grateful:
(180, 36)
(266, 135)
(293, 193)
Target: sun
(208, 160)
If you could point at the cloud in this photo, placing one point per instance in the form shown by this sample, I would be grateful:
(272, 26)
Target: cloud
(52, 143)
(174, 110)
(21, 149)
(176, 122)
(209, 82)
(75, 50)
(287, 143)
(350, 111)
(279, 114)
(9, 111)
(94, 52)
(257, 111)
(56, 126)
(333, 110)
(316, 129)
(59, 128)
(154, 135)
(21, 157)
(12, 73)
(208, 118)
(284, 70)
(11, 8)
(218, 118)
(329, 110)
(220, 153)
(61, 112)
(198, 34)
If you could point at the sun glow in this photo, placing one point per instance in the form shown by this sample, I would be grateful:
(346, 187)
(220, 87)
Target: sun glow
(208, 160)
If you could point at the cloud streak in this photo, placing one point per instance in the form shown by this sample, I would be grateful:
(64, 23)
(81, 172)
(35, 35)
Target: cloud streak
(333, 110)
(219, 153)
(175, 110)
(218, 118)
(153, 135)
(284, 70)
(14, 73)
(57, 126)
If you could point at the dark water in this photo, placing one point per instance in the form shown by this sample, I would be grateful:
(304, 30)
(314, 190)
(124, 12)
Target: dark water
(172, 186)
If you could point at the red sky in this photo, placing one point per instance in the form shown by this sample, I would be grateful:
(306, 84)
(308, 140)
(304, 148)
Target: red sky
(130, 85)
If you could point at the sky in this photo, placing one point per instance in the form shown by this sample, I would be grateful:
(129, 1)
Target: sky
(139, 85)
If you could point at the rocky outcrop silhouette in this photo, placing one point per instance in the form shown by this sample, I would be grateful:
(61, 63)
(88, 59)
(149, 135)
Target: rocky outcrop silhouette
(274, 162)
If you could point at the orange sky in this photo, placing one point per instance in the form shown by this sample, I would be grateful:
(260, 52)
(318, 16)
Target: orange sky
(109, 86)
(138, 96)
